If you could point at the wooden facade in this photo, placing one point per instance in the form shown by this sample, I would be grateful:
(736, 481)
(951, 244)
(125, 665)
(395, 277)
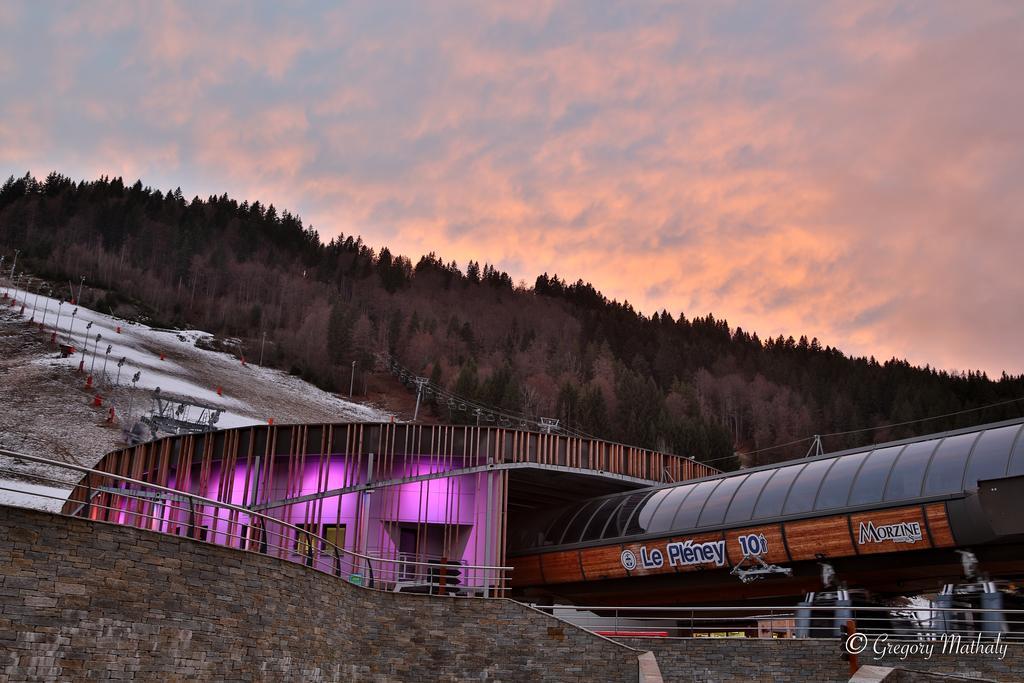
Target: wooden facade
(804, 540)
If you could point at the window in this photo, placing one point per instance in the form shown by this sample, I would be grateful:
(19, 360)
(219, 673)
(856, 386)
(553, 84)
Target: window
(1016, 465)
(870, 481)
(805, 488)
(946, 471)
(621, 508)
(625, 521)
(990, 455)
(742, 505)
(555, 531)
(836, 487)
(714, 509)
(579, 522)
(689, 509)
(908, 472)
(599, 519)
(662, 520)
(334, 534)
(775, 491)
(304, 539)
(641, 522)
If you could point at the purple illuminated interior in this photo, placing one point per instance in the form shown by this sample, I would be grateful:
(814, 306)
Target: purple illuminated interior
(443, 517)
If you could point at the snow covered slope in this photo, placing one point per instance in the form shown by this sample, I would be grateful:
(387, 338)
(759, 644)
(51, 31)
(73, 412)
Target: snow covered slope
(251, 394)
(46, 409)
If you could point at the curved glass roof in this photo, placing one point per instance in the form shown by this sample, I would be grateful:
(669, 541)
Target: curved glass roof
(934, 465)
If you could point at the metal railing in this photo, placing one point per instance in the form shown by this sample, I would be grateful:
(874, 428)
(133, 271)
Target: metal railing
(103, 496)
(914, 623)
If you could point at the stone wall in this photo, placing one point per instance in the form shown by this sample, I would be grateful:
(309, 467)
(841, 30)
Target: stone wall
(699, 660)
(91, 601)
(885, 674)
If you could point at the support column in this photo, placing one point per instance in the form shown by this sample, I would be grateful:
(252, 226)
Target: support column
(488, 530)
(364, 517)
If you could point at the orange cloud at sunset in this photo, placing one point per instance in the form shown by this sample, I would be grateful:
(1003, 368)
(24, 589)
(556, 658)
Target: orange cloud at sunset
(801, 168)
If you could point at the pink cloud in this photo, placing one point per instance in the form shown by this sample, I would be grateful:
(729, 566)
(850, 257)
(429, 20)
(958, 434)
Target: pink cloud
(835, 170)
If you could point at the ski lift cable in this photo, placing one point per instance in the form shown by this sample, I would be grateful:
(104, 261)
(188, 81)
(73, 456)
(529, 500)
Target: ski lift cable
(464, 403)
(507, 416)
(807, 439)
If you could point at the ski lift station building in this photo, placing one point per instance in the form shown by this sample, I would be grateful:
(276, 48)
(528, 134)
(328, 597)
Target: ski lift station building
(398, 492)
(583, 520)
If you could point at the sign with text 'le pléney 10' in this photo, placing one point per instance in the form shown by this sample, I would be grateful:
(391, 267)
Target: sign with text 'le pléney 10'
(688, 553)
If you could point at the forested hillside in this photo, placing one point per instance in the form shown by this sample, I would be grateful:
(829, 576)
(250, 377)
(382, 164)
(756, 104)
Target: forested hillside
(687, 383)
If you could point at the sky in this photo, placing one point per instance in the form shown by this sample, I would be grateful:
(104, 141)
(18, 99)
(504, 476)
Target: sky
(850, 171)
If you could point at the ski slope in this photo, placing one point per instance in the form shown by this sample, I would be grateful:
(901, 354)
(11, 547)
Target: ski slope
(171, 361)
(47, 406)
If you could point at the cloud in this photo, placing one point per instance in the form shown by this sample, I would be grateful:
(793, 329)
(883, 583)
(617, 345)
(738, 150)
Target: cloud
(847, 172)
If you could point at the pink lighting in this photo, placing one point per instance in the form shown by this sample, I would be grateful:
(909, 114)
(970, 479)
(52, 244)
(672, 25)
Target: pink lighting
(354, 485)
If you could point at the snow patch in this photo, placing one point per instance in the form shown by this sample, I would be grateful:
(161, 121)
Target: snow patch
(36, 496)
(170, 360)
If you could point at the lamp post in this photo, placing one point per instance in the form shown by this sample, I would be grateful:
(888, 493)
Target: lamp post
(56, 325)
(120, 364)
(421, 382)
(14, 263)
(106, 358)
(81, 283)
(131, 396)
(85, 345)
(352, 379)
(46, 302)
(95, 349)
(71, 328)
(17, 282)
(35, 300)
